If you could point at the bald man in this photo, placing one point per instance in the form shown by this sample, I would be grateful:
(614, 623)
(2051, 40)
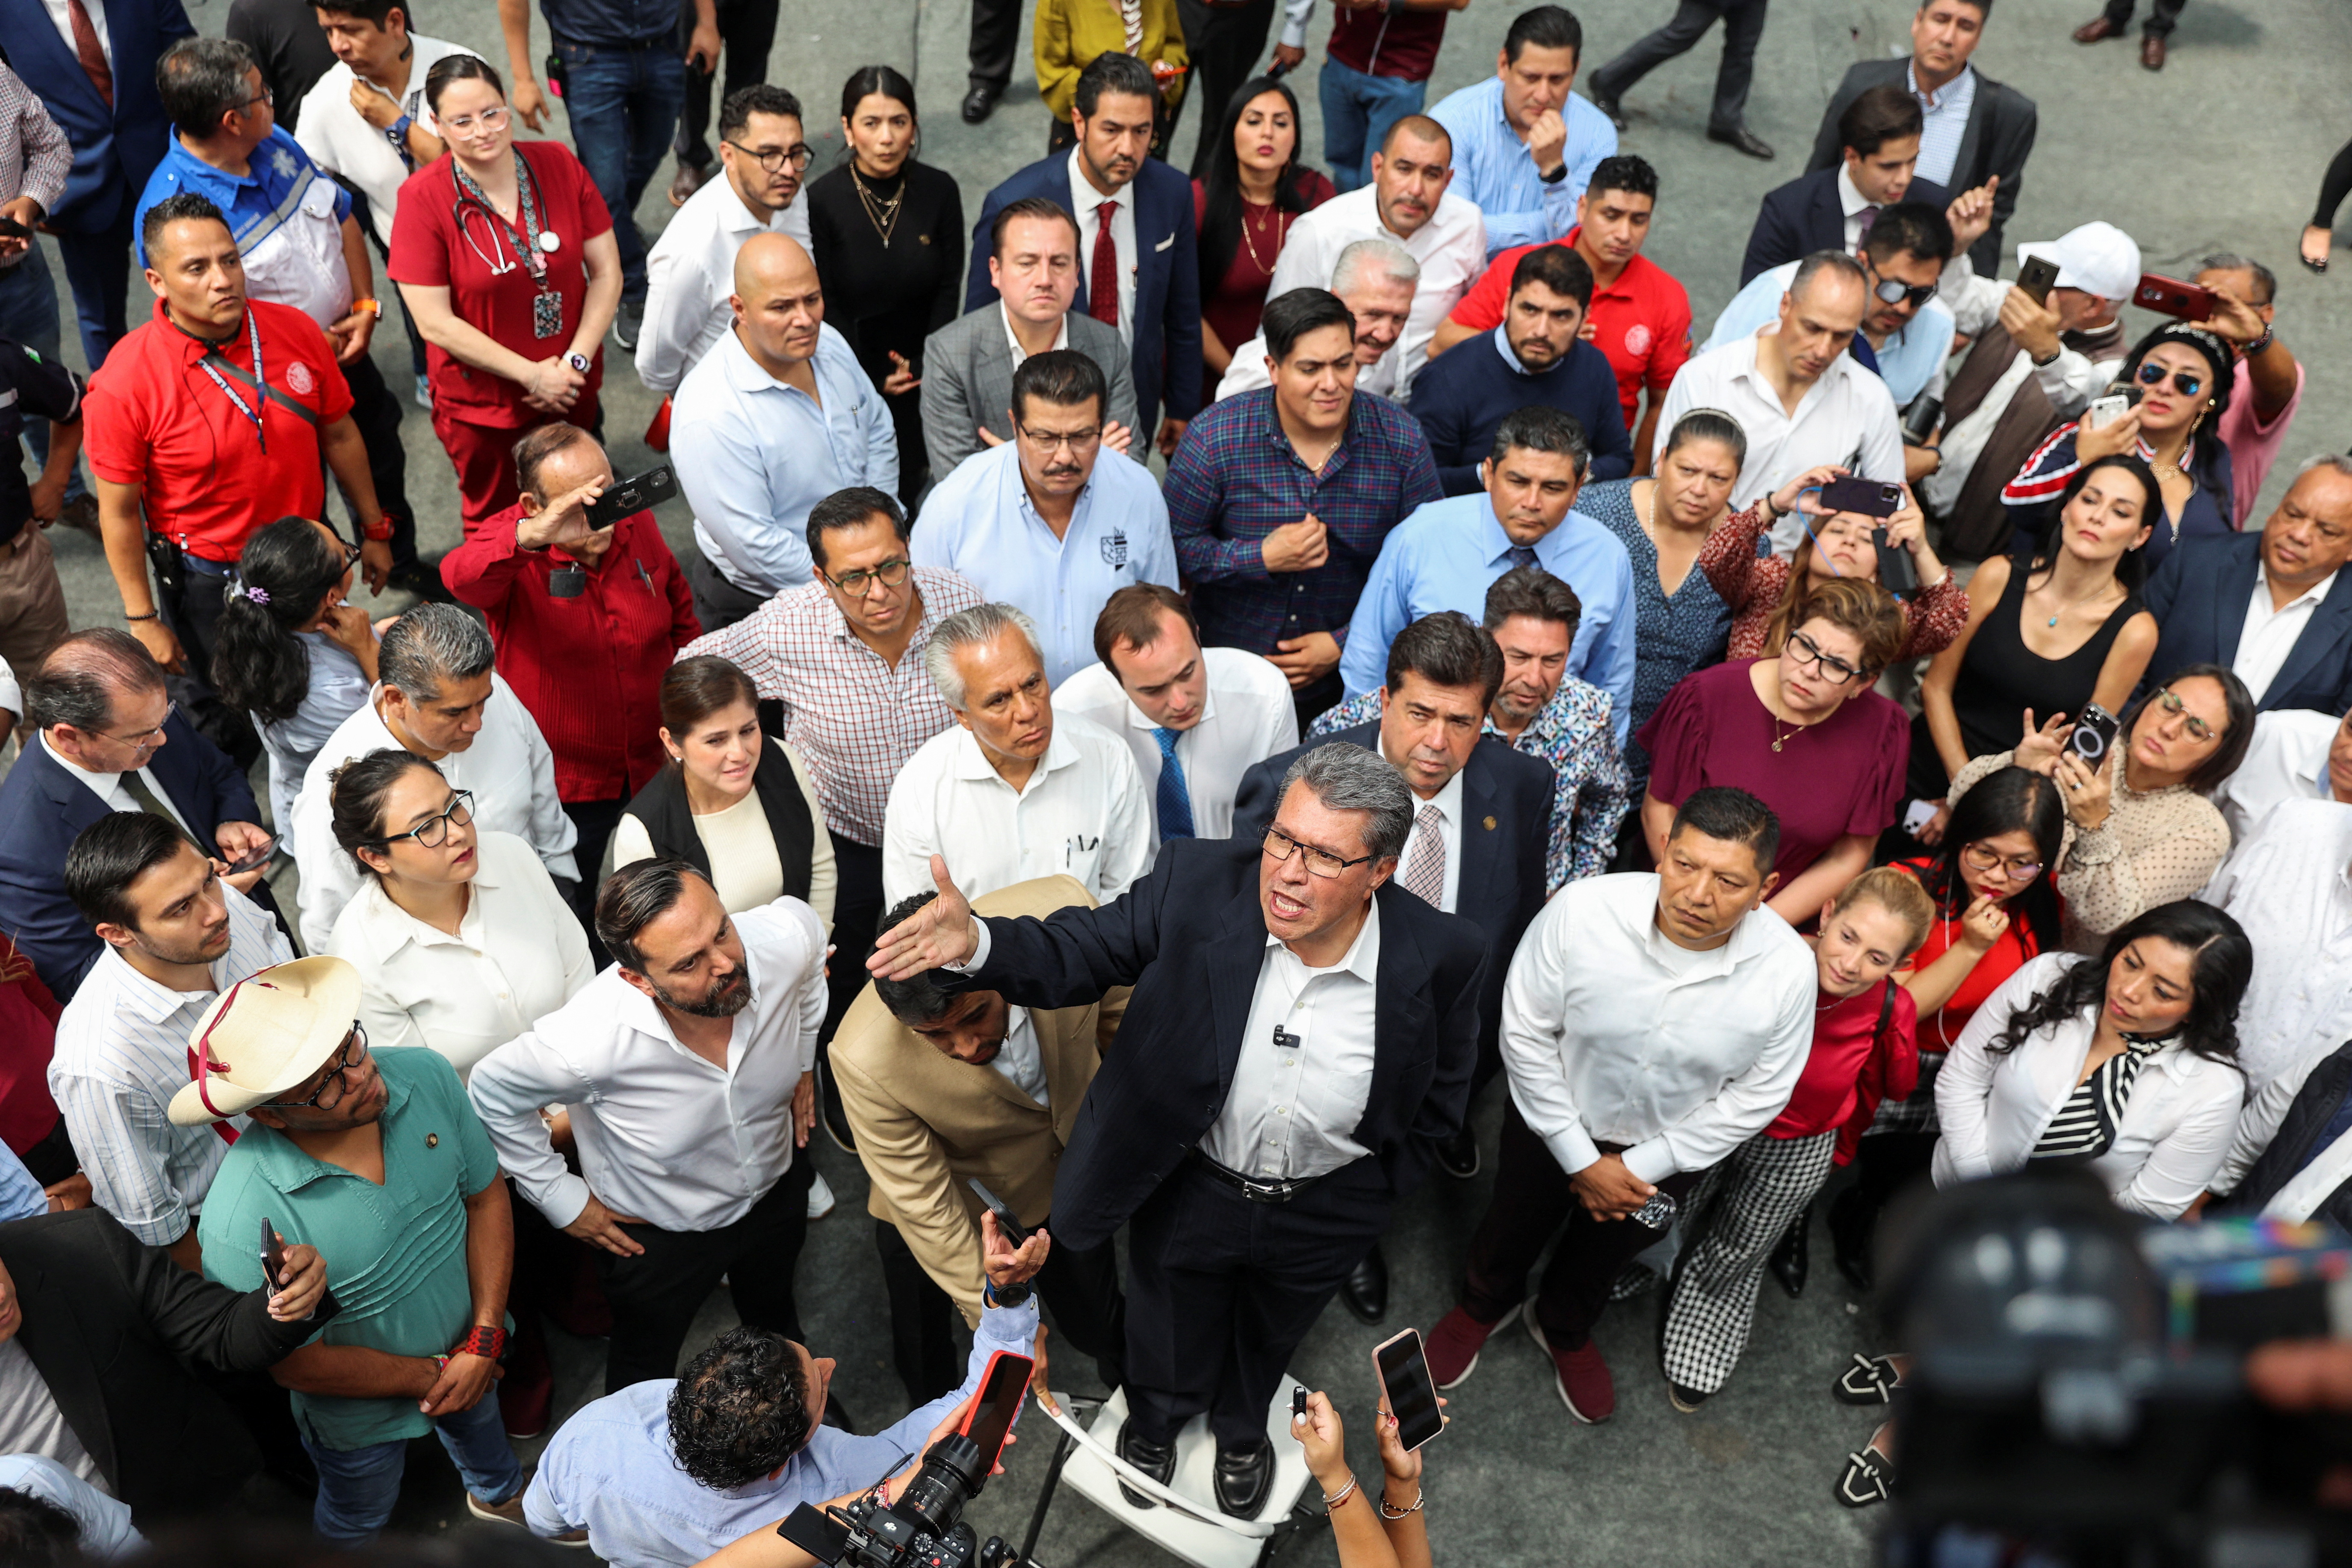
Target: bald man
(777, 417)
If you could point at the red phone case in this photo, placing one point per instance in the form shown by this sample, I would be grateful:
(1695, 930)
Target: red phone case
(2172, 296)
(998, 1397)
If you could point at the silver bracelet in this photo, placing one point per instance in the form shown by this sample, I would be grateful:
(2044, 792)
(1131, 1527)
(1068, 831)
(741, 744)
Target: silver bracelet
(1403, 1513)
(1331, 1504)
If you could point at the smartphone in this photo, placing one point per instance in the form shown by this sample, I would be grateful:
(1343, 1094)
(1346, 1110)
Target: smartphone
(626, 498)
(2105, 410)
(2093, 733)
(13, 229)
(1917, 816)
(1014, 1230)
(1297, 1401)
(257, 860)
(1413, 1395)
(1920, 422)
(2037, 277)
(1001, 1388)
(273, 1257)
(1871, 497)
(2172, 296)
(1897, 572)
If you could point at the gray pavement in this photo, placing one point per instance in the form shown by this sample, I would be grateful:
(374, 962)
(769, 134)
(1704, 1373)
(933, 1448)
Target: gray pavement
(2223, 149)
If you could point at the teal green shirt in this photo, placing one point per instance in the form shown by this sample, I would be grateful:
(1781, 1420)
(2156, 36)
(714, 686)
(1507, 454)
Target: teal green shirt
(395, 1254)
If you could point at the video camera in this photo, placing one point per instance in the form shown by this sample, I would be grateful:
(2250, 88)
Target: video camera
(924, 1527)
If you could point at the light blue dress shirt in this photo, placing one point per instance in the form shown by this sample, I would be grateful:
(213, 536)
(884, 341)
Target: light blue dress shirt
(338, 687)
(107, 1533)
(980, 523)
(754, 455)
(1449, 552)
(1944, 123)
(21, 1197)
(1494, 170)
(1907, 364)
(610, 1470)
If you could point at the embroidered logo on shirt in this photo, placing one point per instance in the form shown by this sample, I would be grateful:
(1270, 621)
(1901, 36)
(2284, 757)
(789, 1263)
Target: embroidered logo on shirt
(1114, 549)
(283, 162)
(298, 377)
(1637, 338)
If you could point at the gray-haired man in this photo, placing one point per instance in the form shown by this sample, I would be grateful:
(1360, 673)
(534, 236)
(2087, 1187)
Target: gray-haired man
(1257, 1157)
(438, 697)
(1375, 278)
(1013, 794)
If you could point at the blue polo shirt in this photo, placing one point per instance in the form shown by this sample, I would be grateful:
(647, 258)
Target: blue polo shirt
(1907, 364)
(269, 193)
(1449, 552)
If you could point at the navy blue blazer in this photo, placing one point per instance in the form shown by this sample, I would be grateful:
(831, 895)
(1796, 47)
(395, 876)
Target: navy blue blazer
(1167, 278)
(1804, 215)
(1507, 798)
(2200, 596)
(1190, 938)
(44, 808)
(114, 148)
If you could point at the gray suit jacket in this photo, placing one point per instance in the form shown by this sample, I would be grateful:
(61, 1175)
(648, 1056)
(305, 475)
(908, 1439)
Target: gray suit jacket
(968, 382)
(1997, 140)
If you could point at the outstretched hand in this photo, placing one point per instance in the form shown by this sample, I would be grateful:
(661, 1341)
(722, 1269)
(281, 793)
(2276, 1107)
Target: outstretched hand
(941, 933)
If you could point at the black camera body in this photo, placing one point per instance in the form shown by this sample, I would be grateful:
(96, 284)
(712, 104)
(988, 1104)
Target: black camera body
(924, 1529)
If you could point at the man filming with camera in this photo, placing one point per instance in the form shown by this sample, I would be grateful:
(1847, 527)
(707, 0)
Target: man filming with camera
(669, 1471)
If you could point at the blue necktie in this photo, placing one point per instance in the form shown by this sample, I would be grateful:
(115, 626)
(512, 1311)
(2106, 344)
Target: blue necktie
(1175, 803)
(1521, 555)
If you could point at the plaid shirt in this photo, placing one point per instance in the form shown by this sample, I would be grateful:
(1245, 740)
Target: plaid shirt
(1572, 733)
(853, 718)
(1235, 479)
(35, 156)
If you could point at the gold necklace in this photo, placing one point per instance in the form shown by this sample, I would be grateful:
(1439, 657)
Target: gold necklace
(883, 215)
(1255, 260)
(1777, 738)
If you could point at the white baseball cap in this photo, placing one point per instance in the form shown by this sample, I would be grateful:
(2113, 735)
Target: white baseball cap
(265, 1036)
(2097, 258)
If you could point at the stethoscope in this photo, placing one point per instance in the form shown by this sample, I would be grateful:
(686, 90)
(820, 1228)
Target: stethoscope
(497, 258)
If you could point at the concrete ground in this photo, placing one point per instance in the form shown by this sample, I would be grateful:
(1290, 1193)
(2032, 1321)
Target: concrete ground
(2223, 149)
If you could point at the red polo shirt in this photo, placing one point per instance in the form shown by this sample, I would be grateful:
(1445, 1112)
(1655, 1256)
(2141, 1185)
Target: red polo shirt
(1642, 321)
(155, 419)
(589, 668)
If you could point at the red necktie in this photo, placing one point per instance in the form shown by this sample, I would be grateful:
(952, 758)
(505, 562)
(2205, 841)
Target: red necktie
(92, 58)
(1102, 278)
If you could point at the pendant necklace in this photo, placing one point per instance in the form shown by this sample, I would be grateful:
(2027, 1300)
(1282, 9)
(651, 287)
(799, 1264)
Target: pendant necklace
(883, 215)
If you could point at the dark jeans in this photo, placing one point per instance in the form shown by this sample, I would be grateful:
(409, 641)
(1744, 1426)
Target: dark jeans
(1224, 42)
(375, 409)
(857, 917)
(29, 315)
(2163, 16)
(748, 28)
(995, 34)
(193, 612)
(655, 1295)
(1077, 1289)
(1532, 1201)
(624, 106)
(358, 1487)
(98, 265)
(1743, 24)
(717, 602)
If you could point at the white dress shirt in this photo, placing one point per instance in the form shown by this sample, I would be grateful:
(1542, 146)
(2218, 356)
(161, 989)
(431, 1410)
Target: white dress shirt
(519, 953)
(1012, 339)
(12, 695)
(1451, 248)
(1447, 804)
(1021, 1060)
(1084, 813)
(1853, 204)
(2269, 634)
(507, 767)
(690, 274)
(1089, 203)
(2287, 761)
(341, 142)
(61, 17)
(109, 788)
(1293, 1109)
(1846, 419)
(122, 1053)
(1943, 123)
(2288, 886)
(1612, 1033)
(2168, 1143)
(1246, 716)
(663, 1134)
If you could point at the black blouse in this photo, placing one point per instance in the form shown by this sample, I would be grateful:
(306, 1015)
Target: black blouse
(886, 298)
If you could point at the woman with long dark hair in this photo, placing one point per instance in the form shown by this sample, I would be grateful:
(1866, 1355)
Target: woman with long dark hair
(290, 651)
(1254, 189)
(2125, 1062)
(888, 234)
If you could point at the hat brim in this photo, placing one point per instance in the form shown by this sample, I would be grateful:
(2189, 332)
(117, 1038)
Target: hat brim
(337, 1000)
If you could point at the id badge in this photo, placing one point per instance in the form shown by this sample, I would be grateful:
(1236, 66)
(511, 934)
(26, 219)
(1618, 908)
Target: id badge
(546, 313)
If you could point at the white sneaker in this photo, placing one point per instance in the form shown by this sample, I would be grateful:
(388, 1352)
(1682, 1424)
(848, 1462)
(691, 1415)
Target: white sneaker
(820, 1199)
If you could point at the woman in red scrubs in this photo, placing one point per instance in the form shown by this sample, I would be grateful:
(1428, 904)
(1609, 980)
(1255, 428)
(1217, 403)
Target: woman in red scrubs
(505, 257)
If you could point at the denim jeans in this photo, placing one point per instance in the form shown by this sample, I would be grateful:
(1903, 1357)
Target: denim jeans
(29, 315)
(1357, 110)
(624, 106)
(358, 1487)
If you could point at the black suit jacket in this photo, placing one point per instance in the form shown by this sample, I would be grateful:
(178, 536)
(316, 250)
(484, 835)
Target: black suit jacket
(1506, 799)
(2295, 1141)
(43, 808)
(1805, 216)
(1190, 938)
(108, 1322)
(2200, 597)
(1997, 140)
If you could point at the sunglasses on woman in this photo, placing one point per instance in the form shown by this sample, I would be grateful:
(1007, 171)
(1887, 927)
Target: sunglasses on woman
(2189, 383)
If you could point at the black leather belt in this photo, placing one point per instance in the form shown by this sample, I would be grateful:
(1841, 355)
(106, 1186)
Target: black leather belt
(1256, 1189)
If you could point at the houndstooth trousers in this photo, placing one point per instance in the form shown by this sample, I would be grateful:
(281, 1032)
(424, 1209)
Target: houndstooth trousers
(1738, 1216)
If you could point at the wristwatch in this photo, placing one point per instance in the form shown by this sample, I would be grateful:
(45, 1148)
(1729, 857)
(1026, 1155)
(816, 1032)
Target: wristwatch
(1006, 1296)
(577, 361)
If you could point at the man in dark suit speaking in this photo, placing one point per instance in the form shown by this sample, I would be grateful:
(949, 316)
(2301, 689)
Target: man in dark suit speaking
(1300, 1038)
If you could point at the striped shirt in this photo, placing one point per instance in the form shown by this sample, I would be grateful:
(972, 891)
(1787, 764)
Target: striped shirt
(2085, 1124)
(35, 157)
(122, 1053)
(1942, 123)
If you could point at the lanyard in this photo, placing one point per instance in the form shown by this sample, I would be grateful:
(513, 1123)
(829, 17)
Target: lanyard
(526, 243)
(252, 411)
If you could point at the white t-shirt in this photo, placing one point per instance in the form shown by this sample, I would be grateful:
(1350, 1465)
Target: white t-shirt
(30, 1421)
(341, 142)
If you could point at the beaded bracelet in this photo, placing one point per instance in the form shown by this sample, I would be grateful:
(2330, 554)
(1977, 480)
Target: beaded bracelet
(1403, 1513)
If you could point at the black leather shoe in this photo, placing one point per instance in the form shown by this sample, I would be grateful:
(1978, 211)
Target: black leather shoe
(1245, 1478)
(980, 102)
(1606, 102)
(1458, 1155)
(1366, 1290)
(1790, 1261)
(423, 581)
(1743, 139)
(1156, 1460)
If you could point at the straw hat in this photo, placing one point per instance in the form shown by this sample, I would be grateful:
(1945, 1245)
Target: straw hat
(265, 1036)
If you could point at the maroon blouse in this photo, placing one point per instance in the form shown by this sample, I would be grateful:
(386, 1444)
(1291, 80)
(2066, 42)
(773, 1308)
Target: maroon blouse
(1232, 304)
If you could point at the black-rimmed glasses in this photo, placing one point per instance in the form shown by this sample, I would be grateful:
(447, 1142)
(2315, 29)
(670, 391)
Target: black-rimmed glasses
(889, 573)
(1835, 670)
(773, 159)
(1320, 862)
(353, 1052)
(433, 831)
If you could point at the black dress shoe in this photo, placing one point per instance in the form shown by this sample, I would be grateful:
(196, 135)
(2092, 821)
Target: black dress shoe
(980, 102)
(1365, 1289)
(1156, 1460)
(1458, 1155)
(1606, 102)
(1790, 1259)
(1246, 1479)
(1743, 139)
(423, 581)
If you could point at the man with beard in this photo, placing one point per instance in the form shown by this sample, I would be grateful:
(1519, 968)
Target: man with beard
(686, 1069)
